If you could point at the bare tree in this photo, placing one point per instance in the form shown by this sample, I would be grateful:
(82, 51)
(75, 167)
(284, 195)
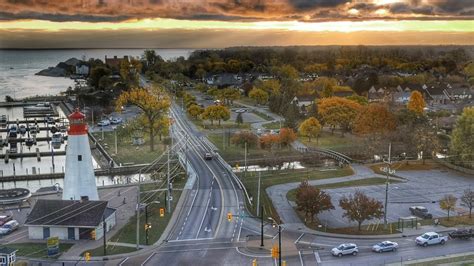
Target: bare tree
(467, 200)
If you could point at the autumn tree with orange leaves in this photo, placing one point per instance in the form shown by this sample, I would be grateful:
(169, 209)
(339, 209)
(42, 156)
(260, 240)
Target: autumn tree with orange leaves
(374, 119)
(338, 112)
(154, 104)
(287, 136)
(416, 102)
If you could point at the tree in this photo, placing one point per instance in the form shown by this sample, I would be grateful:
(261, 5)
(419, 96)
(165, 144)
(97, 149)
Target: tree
(242, 137)
(426, 141)
(448, 203)
(310, 128)
(268, 141)
(239, 119)
(287, 136)
(129, 70)
(462, 138)
(154, 105)
(358, 99)
(216, 112)
(195, 111)
(467, 200)
(311, 200)
(359, 207)
(260, 96)
(374, 119)
(271, 86)
(96, 74)
(338, 112)
(228, 96)
(416, 102)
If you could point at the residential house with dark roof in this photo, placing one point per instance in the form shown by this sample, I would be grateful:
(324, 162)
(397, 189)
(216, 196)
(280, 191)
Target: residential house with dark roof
(304, 101)
(115, 62)
(7, 256)
(70, 219)
(223, 80)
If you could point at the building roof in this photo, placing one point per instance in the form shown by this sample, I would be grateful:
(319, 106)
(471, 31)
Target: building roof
(68, 213)
(7, 250)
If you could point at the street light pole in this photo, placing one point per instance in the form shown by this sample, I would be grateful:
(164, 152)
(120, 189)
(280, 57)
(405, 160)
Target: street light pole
(146, 224)
(386, 187)
(261, 220)
(245, 159)
(279, 245)
(115, 131)
(169, 185)
(138, 209)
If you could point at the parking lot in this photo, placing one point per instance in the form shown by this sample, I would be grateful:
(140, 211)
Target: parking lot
(423, 188)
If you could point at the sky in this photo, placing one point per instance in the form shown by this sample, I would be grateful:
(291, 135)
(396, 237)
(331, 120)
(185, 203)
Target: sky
(224, 23)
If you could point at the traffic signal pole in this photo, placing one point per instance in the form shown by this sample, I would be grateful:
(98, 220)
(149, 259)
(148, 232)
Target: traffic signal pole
(261, 220)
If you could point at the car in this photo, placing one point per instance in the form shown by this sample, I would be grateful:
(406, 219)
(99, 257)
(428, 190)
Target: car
(116, 120)
(4, 219)
(22, 129)
(208, 156)
(385, 246)
(421, 212)
(103, 123)
(50, 120)
(431, 238)
(345, 249)
(9, 227)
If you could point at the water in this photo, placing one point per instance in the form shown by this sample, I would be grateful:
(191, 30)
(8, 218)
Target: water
(18, 68)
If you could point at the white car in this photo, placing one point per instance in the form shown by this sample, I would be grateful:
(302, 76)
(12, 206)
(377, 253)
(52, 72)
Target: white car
(385, 246)
(103, 123)
(116, 120)
(345, 249)
(9, 227)
(431, 238)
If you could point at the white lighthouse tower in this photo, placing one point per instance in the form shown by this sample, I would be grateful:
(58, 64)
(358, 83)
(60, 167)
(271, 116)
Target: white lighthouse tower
(79, 179)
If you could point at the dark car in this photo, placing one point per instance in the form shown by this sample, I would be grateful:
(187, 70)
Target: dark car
(421, 212)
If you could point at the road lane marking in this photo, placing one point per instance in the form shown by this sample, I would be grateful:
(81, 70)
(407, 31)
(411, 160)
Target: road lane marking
(316, 255)
(301, 258)
(148, 258)
(123, 261)
(205, 212)
(299, 238)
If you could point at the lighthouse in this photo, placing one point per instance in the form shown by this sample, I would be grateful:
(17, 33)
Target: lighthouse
(79, 178)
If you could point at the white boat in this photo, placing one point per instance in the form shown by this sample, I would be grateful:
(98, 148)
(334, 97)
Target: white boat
(39, 107)
(57, 138)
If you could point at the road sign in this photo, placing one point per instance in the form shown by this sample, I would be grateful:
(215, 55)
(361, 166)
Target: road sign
(52, 245)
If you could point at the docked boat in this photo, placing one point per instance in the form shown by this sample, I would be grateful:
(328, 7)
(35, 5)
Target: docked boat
(39, 107)
(57, 138)
(15, 195)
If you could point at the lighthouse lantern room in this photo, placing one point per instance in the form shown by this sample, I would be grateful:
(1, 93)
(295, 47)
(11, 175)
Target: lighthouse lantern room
(79, 178)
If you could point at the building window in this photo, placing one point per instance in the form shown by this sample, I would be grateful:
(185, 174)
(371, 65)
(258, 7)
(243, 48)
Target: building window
(3, 260)
(46, 232)
(79, 158)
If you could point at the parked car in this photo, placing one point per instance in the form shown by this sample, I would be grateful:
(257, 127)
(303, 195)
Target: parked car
(345, 249)
(116, 120)
(208, 156)
(385, 246)
(103, 123)
(4, 219)
(421, 212)
(461, 233)
(22, 129)
(9, 227)
(50, 120)
(431, 238)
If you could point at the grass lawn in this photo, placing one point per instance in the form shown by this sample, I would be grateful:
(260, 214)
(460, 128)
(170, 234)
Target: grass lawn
(128, 153)
(353, 183)
(272, 125)
(333, 141)
(236, 153)
(111, 250)
(456, 220)
(262, 115)
(270, 178)
(409, 166)
(463, 259)
(127, 234)
(36, 250)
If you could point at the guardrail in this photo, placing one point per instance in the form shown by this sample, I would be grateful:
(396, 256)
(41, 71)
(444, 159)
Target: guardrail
(342, 158)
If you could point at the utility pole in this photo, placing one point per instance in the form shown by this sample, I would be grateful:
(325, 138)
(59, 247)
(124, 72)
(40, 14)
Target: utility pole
(115, 131)
(169, 184)
(279, 245)
(223, 138)
(245, 160)
(146, 224)
(138, 209)
(261, 224)
(258, 194)
(105, 237)
(386, 186)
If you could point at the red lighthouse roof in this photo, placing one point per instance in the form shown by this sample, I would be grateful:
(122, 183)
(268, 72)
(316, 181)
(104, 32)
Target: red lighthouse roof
(77, 124)
(76, 115)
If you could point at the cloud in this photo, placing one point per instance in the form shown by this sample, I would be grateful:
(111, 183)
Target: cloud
(234, 10)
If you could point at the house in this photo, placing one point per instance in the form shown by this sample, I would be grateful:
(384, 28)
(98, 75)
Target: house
(82, 69)
(115, 62)
(7, 256)
(303, 101)
(70, 219)
(223, 80)
(435, 94)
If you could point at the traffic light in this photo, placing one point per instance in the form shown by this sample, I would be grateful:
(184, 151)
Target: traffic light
(254, 262)
(275, 252)
(162, 212)
(87, 256)
(229, 216)
(93, 234)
